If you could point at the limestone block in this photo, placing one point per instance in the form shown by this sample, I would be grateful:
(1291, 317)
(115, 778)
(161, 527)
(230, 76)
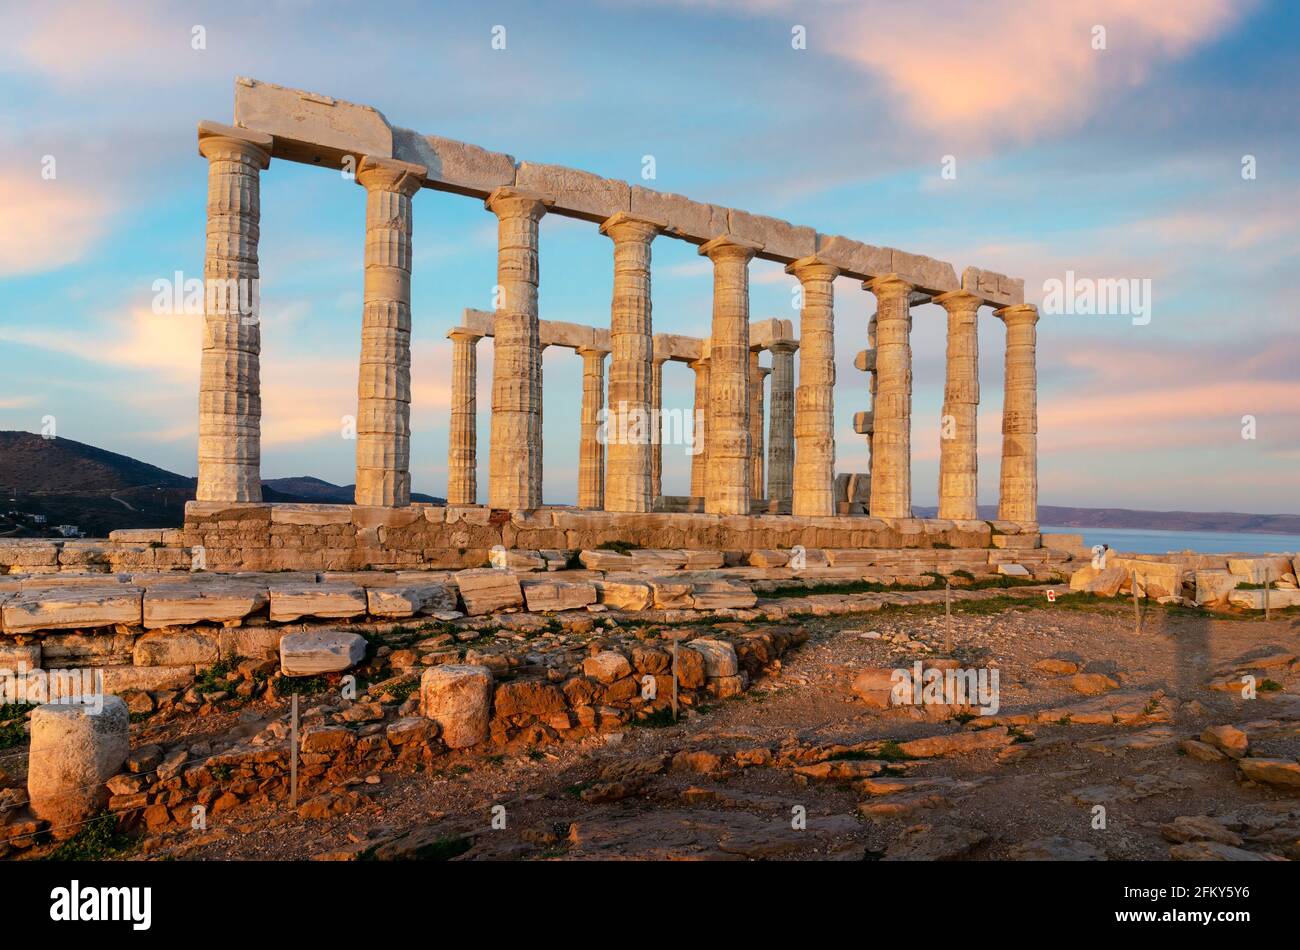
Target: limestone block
(310, 127)
(1257, 569)
(325, 651)
(176, 648)
(925, 273)
(672, 595)
(606, 666)
(995, 289)
(681, 217)
(1013, 570)
(455, 166)
(703, 560)
(328, 601)
(543, 596)
(719, 656)
(606, 561)
(1156, 578)
(719, 594)
(1213, 587)
(72, 609)
(262, 643)
(1106, 581)
(75, 749)
(1015, 542)
(311, 515)
(1254, 599)
(408, 600)
(779, 239)
(769, 558)
(575, 192)
(182, 604)
(620, 594)
(853, 258)
(14, 657)
(484, 590)
(121, 679)
(458, 697)
(86, 649)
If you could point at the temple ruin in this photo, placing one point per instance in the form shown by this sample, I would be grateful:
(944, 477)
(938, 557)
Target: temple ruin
(618, 476)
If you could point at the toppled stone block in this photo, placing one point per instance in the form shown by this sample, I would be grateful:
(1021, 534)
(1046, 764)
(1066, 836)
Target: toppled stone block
(410, 600)
(176, 648)
(672, 595)
(1013, 570)
(458, 698)
(175, 605)
(1106, 581)
(606, 666)
(327, 601)
(719, 656)
(549, 596)
(1214, 587)
(75, 749)
(72, 608)
(625, 594)
(769, 558)
(484, 590)
(721, 594)
(325, 651)
(1260, 570)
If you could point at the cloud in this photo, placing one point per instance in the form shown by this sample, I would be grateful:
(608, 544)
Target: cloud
(49, 223)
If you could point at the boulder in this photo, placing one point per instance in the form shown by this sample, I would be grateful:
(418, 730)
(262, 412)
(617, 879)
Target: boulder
(485, 590)
(1230, 740)
(75, 749)
(1280, 773)
(458, 697)
(314, 652)
(1105, 582)
(606, 666)
(719, 656)
(328, 601)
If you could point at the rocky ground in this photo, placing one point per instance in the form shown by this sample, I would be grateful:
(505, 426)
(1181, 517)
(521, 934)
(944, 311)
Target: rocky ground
(1107, 745)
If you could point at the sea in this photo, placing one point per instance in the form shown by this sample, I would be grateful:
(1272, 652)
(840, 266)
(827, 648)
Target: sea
(1144, 541)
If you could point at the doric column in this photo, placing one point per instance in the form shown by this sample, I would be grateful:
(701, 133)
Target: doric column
(515, 455)
(958, 465)
(230, 389)
(462, 451)
(891, 443)
(728, 491)
(814, 399)
(384, 380)
(1018, 500)
(756, 376)
(700, 430)
(780, 440)
(628, 483)
(657, 429)
(591, 448)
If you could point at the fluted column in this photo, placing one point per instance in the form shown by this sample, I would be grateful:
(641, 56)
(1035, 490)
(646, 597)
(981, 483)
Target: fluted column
(958, 463)
(728, 491)
(515, 455)
(384, 379)
(780, 439)
(1018, 500)
(628, 482)
(230, 388)
(700, 431)
(814, 399)
(657, 429)
(891, 443)
(591, 448)
(756, 376)
(462, 451)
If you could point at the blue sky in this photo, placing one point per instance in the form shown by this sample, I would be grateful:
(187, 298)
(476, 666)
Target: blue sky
(1123, 162)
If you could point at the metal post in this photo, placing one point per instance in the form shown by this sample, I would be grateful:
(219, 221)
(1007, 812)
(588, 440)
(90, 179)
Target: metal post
(1268, 581)
(947, 609)
(674, 679)
(293, 753)
(1137, 606)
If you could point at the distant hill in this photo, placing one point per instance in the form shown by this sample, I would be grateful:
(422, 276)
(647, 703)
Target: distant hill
(1232, 521)
(69, 482)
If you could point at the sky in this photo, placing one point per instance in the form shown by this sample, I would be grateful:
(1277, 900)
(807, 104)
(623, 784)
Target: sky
(1152, 141)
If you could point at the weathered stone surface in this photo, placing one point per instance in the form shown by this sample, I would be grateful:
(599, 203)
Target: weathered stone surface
(72, 608)
(458, 697)
(1282, 773)
(485, 590)
(719, 594)
(625, 594)
(455, 166)
(310, 127)
(1230, 740)
(1055, 848)
(606, 666)
(176, 648)
(1213, 587)
(183, 604)
(121, 679)
(327, 651)
(75, 749)
(1105, 582)
(327, 601)
(527, 698)
(409, 600)
(543, 596)
(1216, 851)
(719, 656)
(934, 843)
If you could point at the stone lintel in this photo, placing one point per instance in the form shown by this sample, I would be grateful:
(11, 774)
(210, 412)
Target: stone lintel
(997, 290)
(309, 127)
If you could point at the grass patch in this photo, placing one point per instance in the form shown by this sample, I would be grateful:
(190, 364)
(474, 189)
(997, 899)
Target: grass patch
(875, 587)
(619, 547)
(286, 686)
(658, 719)
(443, 849)
(98, 840)
(213, 679)
(1270, 686)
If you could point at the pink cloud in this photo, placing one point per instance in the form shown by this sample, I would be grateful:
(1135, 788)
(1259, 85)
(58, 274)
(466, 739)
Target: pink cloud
(49, 223)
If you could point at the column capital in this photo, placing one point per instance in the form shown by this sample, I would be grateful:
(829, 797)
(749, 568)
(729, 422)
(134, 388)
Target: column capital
(626, 227)
(958, 300)
(1018, 313)
(389, 174)
(701, 363)
(812, 268)
(783, 346)
(888, 285)
(508, 202)
(468, 334)
(725, 247)
(764, 372)
(585, 351)
(218, 141)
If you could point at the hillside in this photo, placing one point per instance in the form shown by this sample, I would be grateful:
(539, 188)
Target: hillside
(32, 463)
(1067, 517)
